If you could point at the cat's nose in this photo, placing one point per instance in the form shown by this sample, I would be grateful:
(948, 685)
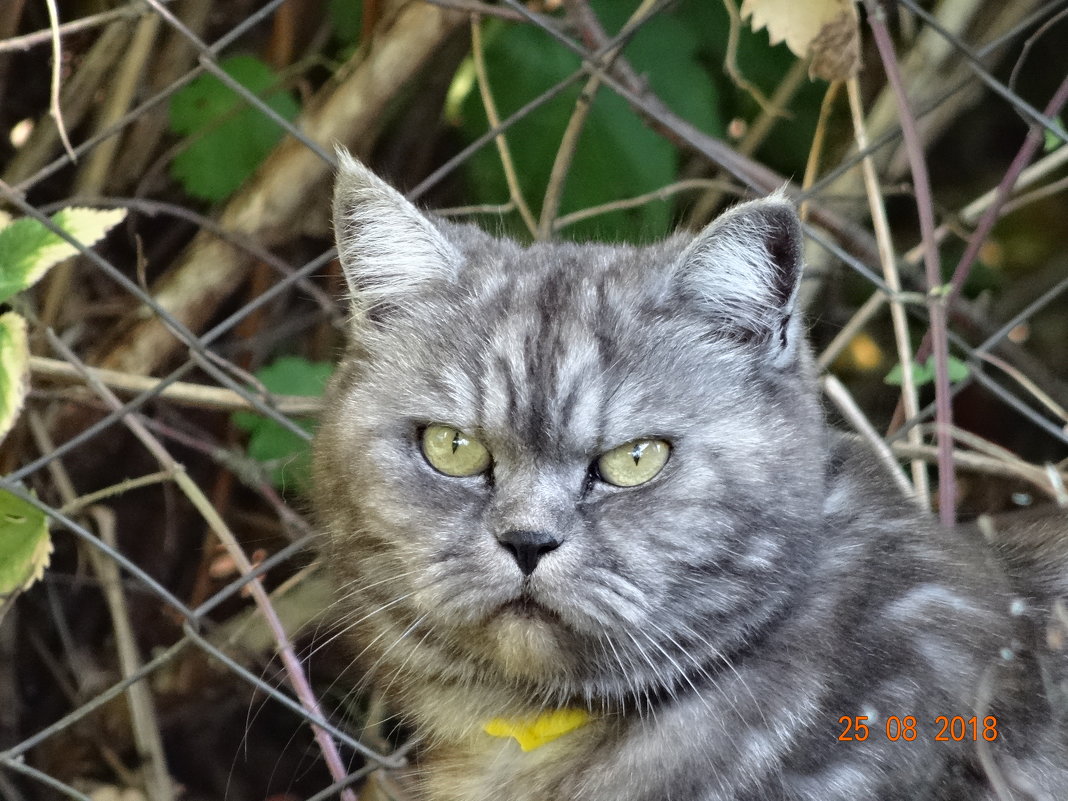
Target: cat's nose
(528, 547)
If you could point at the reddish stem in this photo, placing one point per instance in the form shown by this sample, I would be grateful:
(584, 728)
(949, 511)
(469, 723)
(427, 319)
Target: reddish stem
(935, 303)
(1026, 153)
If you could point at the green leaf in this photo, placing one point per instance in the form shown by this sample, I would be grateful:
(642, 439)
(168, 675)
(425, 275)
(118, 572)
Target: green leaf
(28, 250)
(14, 369)
(346, 18)
(957, 370)
(25, 547)
(617, 156)
(921, 374)
(230, 138)
(1052, 141)
(286, 455)
(925, 373)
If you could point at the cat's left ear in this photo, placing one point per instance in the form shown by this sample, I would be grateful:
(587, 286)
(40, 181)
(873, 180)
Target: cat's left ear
(744, 270)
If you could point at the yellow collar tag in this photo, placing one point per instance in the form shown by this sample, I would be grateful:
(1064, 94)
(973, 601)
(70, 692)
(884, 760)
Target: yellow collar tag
(535, 732)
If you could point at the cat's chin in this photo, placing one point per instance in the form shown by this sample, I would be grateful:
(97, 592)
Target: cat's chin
(526, 639)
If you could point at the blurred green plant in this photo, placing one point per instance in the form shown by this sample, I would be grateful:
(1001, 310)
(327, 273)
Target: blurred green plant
(228, 139)
(346, 18)
(285, 455)
(618, 156)
(28, 250)
(25, 546)
(680, 54)
(925, 373)
(1051, 140)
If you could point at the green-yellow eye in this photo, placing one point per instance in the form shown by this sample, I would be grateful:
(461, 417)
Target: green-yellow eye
(454, 453)
(634, 463)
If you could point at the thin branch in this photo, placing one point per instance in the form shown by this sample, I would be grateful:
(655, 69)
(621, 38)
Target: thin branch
(994, 209)
(121, 86)
(554, 191)
(1030, 42)
(75, 505)
(936, 304)
(25, 42)
(515, 193)
(664, 192)
(1035, 195)
(1034, 475)
(1021, 106)
(192, 491)
(836, 391)
(754, 137)
(730, 59)
(1027, 151)
(627, 84)
(1028, 384)
(249, 244)
(815, 151)
(180, 392)
(856, 323)
(144, 722)
(495, 209)
(57, 67)
(971, 213)
(893, 281)
(482, 9)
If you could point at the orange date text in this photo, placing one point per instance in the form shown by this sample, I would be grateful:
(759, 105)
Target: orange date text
(906, 728)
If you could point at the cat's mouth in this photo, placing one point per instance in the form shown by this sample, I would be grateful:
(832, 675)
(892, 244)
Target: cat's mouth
(524, 606)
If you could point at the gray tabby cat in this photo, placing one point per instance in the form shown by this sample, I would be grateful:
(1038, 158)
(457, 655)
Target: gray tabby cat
(594, 540)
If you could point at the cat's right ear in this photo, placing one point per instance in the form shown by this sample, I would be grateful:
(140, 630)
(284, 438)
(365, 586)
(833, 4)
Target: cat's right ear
(744, 270)
(388, 249)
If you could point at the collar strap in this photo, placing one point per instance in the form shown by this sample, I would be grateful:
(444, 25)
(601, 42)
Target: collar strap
(534, 732)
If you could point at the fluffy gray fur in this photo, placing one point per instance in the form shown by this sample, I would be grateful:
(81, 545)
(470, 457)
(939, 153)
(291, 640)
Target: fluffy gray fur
(716, 622)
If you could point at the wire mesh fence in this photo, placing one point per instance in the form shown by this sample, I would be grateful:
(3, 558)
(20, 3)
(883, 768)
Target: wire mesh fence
(179, 643)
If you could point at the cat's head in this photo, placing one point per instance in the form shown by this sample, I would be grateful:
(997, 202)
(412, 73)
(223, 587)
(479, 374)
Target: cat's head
(582, 468)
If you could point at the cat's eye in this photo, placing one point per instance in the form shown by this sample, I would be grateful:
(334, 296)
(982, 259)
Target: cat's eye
(454, 453)
(634, 463)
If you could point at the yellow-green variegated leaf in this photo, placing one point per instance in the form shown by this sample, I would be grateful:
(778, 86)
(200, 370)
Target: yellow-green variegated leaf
(25, 546)
(14, 369)
(28, 250)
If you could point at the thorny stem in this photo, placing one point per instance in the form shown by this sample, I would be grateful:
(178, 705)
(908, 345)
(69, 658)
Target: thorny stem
(947, 489)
